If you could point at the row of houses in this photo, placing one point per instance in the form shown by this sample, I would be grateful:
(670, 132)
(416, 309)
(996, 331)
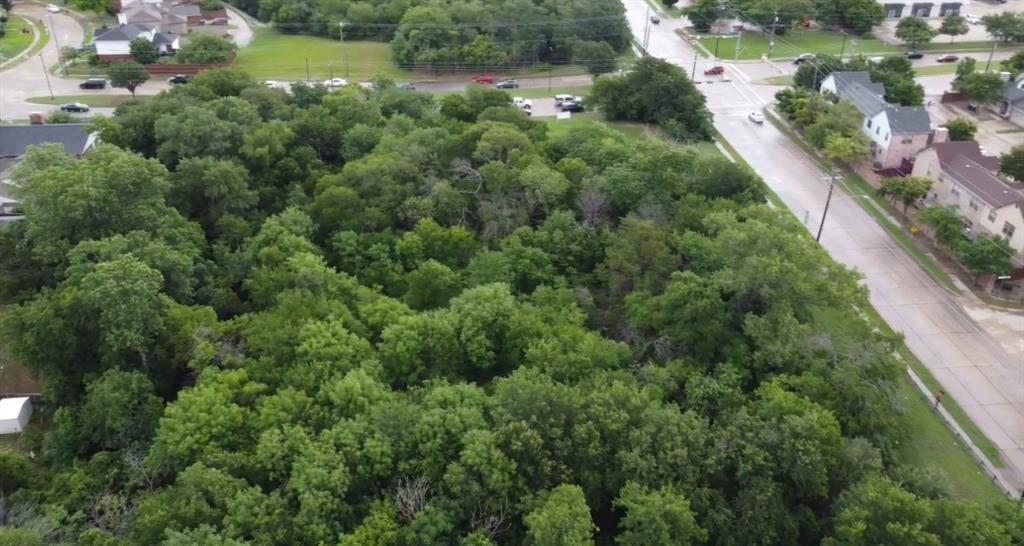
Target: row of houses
(903, 141)
(162, 22)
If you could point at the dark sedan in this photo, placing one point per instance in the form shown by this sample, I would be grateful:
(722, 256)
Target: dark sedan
(74, 107)
(507, 84)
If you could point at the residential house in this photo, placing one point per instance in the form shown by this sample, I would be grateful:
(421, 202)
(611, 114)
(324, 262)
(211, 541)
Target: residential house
(155, 16)
(115, 44)
(967, 180)
(1011, 105)
(897, 133)
(14, 139)
(924, 10)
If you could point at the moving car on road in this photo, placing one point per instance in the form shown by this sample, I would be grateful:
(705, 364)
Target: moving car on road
(655, 19)
(179, 79)
(507, 84)
(335, 82)
(973, 19)
(914, 54)
(804, 57)
(571, 106)
(93, 83)
(486, 78)
(407, 86)
(715, 71)
(74, 107)
(52, 8)
(756, 117)
(948, 59)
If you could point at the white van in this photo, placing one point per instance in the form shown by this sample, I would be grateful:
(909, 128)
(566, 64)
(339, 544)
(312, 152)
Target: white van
(559, 99)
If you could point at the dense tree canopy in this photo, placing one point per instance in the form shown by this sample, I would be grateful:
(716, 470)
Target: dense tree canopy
(372, 318)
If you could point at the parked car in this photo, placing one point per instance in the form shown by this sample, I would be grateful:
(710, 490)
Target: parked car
(507, 84)
(93, 83)
(179, 79)
(756, 117)
(804, 57)
(407, 86)
(655, 19)
(948, 59)
(572, 106)
(973, 19)
(559, 99)
(74, 107)
(486, 78)
(715, 71)
(52, 8)
(86, 48)
(335, 82)
(914, 54)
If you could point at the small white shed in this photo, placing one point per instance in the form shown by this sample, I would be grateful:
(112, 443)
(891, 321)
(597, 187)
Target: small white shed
(14, 414)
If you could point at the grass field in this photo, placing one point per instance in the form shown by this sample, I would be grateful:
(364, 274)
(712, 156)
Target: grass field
(753, 45)
(97, 101)
(273, 55)
(16, 40)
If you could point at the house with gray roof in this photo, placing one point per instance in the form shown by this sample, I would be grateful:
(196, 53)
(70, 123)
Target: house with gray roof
(115, 44)
(897, 133)
(1011, 105)
(16, 139)
(965, 179)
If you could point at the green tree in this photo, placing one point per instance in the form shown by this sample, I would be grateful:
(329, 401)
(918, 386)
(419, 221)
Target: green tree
(963, 524)
(906, 190)
(945, 223)
(120, 410)
(981, 87)
(985, 255)
(877, 511)
(1014, 65)
(206, 49)
(953, 26)
(657, 518)
(562, 519)
(915, 31)
(127, 74)
(143, 51)
(966, 66)
(1012, 163)
(597, 57)
(1006, 27)
(858, 16)
(15, 471)
(845, 148)
(961, 129)
(704, 13)
(95, 6)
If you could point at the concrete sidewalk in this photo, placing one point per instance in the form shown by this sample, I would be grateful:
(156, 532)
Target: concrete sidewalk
(971, 365)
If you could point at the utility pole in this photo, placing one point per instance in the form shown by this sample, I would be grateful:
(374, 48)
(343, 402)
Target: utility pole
(990, 54)
(46, 74)
(739, 39)
(828, 201)
(330, 70)
(771, 41)
(842, 49)
(549, 76)
(693, 73)
(717, 39)
(341, 38)
(307, 69)
(56, 42)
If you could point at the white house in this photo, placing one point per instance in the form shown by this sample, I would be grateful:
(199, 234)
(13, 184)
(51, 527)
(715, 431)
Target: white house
(14, 414)
(966, 180)
(897, 133)
(1011, 104)
(115, 43)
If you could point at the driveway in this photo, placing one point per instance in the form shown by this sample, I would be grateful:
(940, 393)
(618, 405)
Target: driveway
(242, 33)
(972, 366)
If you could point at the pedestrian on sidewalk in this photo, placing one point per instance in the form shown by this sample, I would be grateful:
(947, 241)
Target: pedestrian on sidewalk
(938, 398)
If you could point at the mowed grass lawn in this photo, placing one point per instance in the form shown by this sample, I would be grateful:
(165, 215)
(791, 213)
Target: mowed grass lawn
(796, 41)
(96, 101)
(15, 41)
(273, 55)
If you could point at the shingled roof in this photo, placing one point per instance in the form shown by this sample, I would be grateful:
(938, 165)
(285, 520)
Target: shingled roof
(963, 162)
(15, 138)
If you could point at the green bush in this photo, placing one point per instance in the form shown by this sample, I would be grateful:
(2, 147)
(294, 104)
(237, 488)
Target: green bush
(206, 49)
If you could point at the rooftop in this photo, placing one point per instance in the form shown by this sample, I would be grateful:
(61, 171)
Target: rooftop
(982, 182)
(10, 408)
(15, 138)
(121, 33)
(908, 119)
(948, 151)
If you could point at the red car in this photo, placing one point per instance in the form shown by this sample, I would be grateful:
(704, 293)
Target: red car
(948, 59)
(486, 78)
(715, 71)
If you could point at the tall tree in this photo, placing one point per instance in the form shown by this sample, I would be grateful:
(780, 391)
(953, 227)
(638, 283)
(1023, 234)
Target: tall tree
(143, 51)
(981, 87)
(985, 255)
(1006, 27)
(953, 26)
(562, 519)
(906, 190)
(915, 31)
(945, 223)
(127, 74)
(597, 57)
(961, 129)
(1012, 163)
